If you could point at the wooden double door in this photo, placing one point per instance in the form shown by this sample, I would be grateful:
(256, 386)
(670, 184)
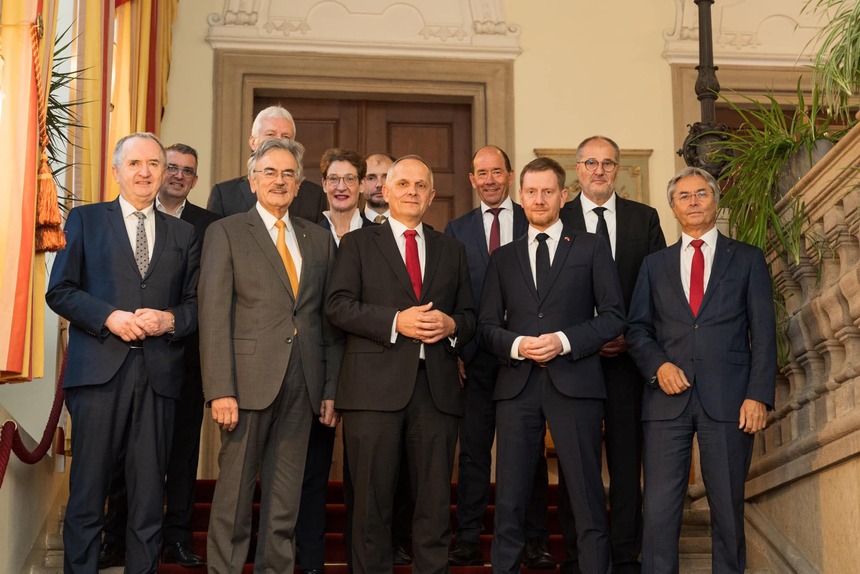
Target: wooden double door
(441, 133)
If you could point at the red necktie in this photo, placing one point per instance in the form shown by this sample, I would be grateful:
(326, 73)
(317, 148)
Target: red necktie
(413, 264)
(697, 276)
(495, 230)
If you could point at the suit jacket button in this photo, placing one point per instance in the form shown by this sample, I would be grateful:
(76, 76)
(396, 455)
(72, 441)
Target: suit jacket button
(416, 341)
(289, 339)
(143, 285)
(695, 326)
(540, 315)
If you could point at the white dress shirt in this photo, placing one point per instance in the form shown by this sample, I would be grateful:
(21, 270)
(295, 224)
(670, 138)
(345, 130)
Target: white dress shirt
(398, 229)
(506, 222)
(289, 235)
(687, 250)
(160, 207)
(130, 220)
(371, 215)
(609, 215)
(354, 223)
(554, 232)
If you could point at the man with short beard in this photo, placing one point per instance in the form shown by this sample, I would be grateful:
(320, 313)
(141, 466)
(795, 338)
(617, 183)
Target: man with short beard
(375, 207)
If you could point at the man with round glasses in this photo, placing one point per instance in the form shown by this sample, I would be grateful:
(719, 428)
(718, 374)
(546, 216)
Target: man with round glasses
(633, 231)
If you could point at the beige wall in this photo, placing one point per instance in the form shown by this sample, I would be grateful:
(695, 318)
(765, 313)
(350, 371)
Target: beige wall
(584, 69)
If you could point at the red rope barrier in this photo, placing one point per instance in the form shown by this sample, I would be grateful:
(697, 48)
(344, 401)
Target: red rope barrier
(10, 438)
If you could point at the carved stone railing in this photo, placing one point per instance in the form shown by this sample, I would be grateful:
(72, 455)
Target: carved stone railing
(803, 491)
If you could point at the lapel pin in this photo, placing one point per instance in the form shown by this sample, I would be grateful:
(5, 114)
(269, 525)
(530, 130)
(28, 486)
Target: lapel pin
(566, 238)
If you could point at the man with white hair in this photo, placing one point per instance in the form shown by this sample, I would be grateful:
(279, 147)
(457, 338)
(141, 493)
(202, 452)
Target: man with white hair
(235, 195)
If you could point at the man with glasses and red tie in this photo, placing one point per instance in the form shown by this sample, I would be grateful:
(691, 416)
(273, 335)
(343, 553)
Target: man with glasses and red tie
(269, 357)
(702, 330)
(632, 231)
(401, 293)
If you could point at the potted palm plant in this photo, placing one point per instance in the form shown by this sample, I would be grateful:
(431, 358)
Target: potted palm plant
(836, 67)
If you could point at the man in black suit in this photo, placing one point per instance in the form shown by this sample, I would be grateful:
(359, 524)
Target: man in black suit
(551, 300)
(180, 179)
(235, 195)
(375, 206)
(633, 231)
(497, 222)
(398, 388)
(127, 283)
(702, 329)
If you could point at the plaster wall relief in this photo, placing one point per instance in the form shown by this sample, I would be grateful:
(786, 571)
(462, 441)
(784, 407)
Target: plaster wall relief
(457, 28)
(759, 32)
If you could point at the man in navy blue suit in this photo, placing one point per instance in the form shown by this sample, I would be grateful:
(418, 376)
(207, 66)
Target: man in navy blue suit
(702, 330)
(550, 301)
(496, 222)
(127, 283)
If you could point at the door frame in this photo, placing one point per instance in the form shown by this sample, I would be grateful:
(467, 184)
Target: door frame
(487, 85)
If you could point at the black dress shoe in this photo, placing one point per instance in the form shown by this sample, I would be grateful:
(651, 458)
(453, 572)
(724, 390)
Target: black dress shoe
(537, 556)
(464, 553)
(111, 555)
(401, 555)
(183, 554)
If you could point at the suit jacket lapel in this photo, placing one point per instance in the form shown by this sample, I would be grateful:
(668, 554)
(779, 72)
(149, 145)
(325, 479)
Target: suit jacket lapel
(672, 270)
(576, 218)
(522, 249)
(561, 252)
(476, 235)
(623, 229)
(261, 235)
(724, 250)
(305, 248)
(521, 224)
(118, 226)
(432, 256)
(391, 255)
(161, 231)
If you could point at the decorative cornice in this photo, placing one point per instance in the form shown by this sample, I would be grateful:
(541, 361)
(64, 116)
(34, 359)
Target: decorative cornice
(453, 28)
(746, 32)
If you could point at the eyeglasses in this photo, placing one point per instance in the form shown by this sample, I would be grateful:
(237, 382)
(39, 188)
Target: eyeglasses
(271, 173)
(685, 197)
(591, 164)
(186, 171)
(348, 179)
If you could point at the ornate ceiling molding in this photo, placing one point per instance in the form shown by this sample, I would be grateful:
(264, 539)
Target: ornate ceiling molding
(746, 32)
(459, 28)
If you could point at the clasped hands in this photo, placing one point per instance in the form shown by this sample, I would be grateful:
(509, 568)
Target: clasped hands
(424, 323)
(540, 349)
(139, 325)
(672, 381)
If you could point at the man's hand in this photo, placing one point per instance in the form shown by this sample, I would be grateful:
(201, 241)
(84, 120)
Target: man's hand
(672, 379)
(225, 412)
(153, 322)
(461, 370)
(424, 323)
(753, 416)
(327, 415)
(124, 325)
(614, 347)
(541, 349)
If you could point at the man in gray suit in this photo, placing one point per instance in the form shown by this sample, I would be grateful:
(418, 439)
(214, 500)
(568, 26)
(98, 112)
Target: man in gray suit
(269, 358)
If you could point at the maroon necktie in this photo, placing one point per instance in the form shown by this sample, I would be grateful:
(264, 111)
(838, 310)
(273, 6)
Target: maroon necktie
(697, 276)
(495, 231)
(413, 264)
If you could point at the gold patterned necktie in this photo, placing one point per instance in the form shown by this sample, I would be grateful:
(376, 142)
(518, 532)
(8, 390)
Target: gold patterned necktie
(281, 245)
(380, 219)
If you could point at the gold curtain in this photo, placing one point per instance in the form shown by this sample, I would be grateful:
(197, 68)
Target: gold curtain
(141, 67)
(22, 270)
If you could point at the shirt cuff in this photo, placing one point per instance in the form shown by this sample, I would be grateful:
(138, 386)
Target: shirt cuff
(394, 328)
(515, 349)
(565, 343)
